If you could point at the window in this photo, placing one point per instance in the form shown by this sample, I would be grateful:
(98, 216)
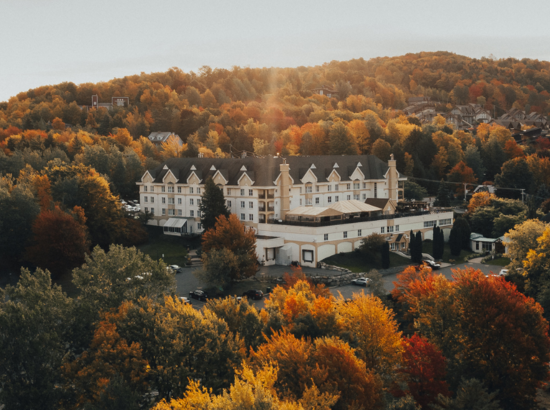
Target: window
(171, 201)
(403, 245)
(152, 199)
(382, 230)
(359, 232)
(229, 204)
(145, 199)
(162, 189)
(356, 197)
(145, 188)
(251, 204)
(243, 217)
(326, 237)
(228, 191)
(307, 256)
(356, 185)
(199, 226)
(164, 211)
(445, 222)
(163, 200)
(199, 214)
(242, 192)
(336, 198)
(152, 211)
(250, 217)
(309, 189)
(152, 189)
(348, 197)
(317, 188)
(392, 246)
(329, 188)
(191, 190)
(364, 196)
(348, 186)
(191, 201)
(179, 190)
(308, 201)
(396, 228)
(198, 190)
(172, 212)
(429, 224)
(243, 204)
(345, 234)
(179, 201)
(250, 192)
(477, 246)
(364, 185)
(198, 201)
(192, 213)
(390, 229)
(317, 201)
(375, 190)
(329, 199)
(171, 189)
(336, 187)
(180, 212)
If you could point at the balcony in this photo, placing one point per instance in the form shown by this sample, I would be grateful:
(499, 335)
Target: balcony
(271, 208)
(270, 194)
(261, 206)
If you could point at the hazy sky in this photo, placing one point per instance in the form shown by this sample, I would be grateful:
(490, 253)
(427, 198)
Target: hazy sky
(48, 42)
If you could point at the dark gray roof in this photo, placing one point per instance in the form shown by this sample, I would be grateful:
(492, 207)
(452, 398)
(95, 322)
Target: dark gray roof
(264, 171)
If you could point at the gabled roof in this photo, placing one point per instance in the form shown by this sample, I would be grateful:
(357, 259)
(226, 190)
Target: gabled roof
(264, 171)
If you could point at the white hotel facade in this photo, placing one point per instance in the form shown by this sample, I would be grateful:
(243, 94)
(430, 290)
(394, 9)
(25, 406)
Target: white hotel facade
(303, 209)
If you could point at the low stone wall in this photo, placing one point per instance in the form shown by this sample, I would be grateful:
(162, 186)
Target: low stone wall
(323, 265)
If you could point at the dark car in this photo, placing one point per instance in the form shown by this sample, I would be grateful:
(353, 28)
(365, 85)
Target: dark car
(253, 294)
(198, 294)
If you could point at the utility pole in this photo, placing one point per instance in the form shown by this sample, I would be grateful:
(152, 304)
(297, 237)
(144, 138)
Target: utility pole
(522, 194)
(465, 191)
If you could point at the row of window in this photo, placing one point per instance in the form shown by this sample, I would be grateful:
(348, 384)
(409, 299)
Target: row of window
(356, 185)
(250, 217)
(390, 229)
(430, 224)
(171, 201)
(170, 189)
(308, 201)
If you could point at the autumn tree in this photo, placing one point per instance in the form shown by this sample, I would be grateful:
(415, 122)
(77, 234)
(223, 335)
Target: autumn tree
(60, 240)
(232, 234)
(462, 173)
(212, 205)
(480, 199)
(464, 318)
(381, 149)
(341, 140)
(521, 239)
(423, 370)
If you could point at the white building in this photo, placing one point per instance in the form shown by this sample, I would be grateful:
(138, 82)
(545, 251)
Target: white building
(271, 195)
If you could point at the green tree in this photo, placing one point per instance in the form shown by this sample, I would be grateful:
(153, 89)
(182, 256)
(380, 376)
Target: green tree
(34, 318)
(471, 394)
(219, 268)
(464, 232)
(382, 149)
(385, 254)
(212, 204)
(443, 195)
(472, 157)
(493, 157)
(515, 173)
(371, 245)
(341, 141)
(455, 242)
(415, 191)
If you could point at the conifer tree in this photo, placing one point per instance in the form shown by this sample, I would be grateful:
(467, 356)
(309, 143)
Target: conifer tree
(455, 241)
(385, 255)
(212, 205)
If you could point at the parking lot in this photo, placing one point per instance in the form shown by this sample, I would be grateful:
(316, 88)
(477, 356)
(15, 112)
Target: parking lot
(186, 281)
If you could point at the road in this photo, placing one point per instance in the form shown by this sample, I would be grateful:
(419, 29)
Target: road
(186, 282)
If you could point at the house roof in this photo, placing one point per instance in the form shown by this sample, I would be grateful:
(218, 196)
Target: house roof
(353, 206)
(339, 208)
(159, 136)
(313, 211)
(264, 171)
(377, 202)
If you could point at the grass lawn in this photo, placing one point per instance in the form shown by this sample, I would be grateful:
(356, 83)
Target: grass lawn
(172, 249)
(498, 262)
(427, 248)
(358, 262)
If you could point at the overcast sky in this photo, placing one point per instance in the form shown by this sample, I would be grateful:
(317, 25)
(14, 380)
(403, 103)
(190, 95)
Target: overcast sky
(48, 42)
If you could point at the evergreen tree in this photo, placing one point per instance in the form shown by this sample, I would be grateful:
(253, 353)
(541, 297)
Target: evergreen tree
(464, 232)
(412, 240)
(212, 205)
(443, 196)
(385, 255)
(418, 246)
(435, 242)
(455, 241)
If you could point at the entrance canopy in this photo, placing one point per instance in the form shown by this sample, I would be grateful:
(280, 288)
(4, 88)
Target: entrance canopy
(174, 226)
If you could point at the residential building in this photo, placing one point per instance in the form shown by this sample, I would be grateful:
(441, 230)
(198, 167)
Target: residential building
(158, 137)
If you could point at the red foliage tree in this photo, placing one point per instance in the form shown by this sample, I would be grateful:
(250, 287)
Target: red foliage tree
(60, 240)
(423, 370)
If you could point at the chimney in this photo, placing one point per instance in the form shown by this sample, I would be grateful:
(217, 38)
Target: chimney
(392, 178)
(284, 185)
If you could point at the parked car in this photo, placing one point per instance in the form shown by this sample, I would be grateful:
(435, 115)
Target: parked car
(198, 294)
(432, 264)
(185, 300)
(503, 272)
(175, 268)
(361, 282)
(254, 294)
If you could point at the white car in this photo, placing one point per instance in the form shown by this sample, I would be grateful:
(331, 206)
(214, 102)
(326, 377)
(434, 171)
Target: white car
(503, 272)
(175, 268)
(185, 300)
(361, 282)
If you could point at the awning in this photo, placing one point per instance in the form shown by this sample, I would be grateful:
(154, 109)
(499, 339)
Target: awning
(175, 223)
